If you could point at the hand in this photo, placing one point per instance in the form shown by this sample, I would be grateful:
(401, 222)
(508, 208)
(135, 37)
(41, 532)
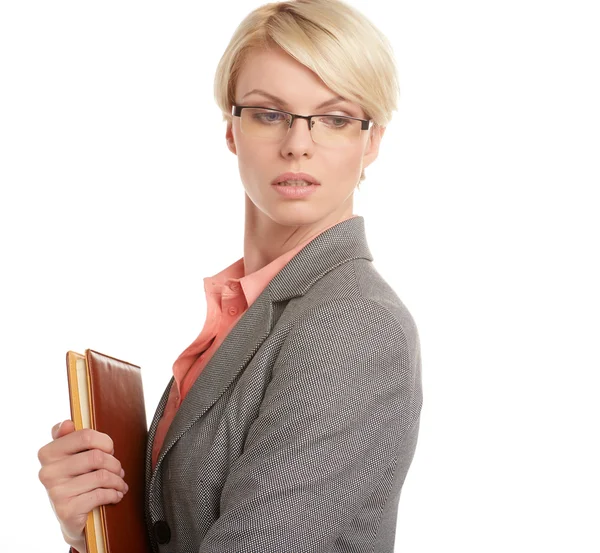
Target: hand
(79, 473)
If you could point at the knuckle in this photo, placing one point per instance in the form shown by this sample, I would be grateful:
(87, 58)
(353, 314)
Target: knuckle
(54, 497)
(41, 455)
(100, 496)
(96, 458)
(42, 475)
(85, 438)
(102, 476)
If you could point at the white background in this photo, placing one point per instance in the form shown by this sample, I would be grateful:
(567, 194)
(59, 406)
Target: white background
(118, 195)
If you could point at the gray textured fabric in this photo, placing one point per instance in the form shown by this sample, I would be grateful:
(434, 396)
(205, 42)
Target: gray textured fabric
(298, 434)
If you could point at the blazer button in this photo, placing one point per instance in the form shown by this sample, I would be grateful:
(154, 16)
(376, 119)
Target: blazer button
(162, 532)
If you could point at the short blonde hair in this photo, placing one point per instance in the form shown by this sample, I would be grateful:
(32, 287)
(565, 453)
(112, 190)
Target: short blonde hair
(348, 53)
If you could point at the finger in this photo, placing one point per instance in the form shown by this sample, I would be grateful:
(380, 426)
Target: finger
(56, 473)
(83, 440)
(97, 479)
(64, 495)
(100, 496)
(62, 428)
(55, 430)
(75, 442)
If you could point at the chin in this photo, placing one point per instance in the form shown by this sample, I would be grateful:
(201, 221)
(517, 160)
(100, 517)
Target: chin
(294, 213)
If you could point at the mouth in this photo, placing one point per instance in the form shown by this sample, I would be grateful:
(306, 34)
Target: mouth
(295, 182)
(295, 179)
(295, 188)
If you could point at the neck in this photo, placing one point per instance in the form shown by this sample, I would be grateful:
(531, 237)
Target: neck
(266, 239)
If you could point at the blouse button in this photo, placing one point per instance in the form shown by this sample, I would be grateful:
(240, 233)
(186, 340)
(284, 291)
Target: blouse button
(233, 310)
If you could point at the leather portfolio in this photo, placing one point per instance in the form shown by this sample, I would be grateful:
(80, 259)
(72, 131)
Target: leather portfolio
(106, 394)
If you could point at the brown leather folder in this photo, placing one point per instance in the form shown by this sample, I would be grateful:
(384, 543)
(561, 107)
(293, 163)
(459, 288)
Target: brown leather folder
(106, 394)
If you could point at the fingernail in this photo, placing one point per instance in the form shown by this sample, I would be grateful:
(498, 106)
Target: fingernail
(120, 494)
(56, 430)
(122, 473)
(126, 488)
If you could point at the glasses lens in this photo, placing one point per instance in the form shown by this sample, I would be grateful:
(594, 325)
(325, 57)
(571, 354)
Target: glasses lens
(265, 123)
(333, 130)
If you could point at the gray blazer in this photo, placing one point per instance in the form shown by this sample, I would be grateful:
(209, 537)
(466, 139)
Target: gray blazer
(298, 434)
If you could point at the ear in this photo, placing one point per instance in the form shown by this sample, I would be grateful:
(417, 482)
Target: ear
(372, 148)
(229, 137)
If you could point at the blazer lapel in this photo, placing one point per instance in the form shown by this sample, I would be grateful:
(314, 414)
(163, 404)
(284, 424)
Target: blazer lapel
(232, 356)
(336, 245)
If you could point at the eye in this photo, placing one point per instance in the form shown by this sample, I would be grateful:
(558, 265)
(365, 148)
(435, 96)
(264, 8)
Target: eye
(335, 121)
(269, 116)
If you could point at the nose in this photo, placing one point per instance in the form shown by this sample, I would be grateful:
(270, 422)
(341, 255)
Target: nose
(298, 141)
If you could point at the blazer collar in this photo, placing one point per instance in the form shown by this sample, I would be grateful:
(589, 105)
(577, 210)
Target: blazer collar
(334, 246)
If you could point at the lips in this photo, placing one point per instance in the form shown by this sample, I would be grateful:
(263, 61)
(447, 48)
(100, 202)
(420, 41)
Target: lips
(295, 176)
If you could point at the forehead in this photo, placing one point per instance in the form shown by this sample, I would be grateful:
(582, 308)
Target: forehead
(276, 72)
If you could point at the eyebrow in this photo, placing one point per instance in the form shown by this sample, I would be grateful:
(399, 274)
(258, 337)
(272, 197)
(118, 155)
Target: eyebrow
(283, 103)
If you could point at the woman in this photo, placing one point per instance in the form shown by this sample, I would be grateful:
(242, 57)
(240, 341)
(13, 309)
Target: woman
(303, 390)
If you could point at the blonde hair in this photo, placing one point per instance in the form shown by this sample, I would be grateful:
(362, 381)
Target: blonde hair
(347, 52)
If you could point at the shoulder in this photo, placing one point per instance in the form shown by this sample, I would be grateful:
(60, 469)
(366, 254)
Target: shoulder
(354, 299)
(353, 316)
(355, 340)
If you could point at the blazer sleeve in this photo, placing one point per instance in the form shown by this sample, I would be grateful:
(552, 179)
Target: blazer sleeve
(343, 402)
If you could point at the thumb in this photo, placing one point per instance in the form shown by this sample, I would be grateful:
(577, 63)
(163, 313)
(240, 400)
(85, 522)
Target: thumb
(62, 428)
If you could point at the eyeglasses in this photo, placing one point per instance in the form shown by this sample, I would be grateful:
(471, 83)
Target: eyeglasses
(274, 124)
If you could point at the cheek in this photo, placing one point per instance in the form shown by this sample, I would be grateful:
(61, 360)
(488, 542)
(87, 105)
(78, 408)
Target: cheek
(250, 155)
(344, 165)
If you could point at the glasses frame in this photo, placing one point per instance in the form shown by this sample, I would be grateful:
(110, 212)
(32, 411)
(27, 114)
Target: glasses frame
(365, 123)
